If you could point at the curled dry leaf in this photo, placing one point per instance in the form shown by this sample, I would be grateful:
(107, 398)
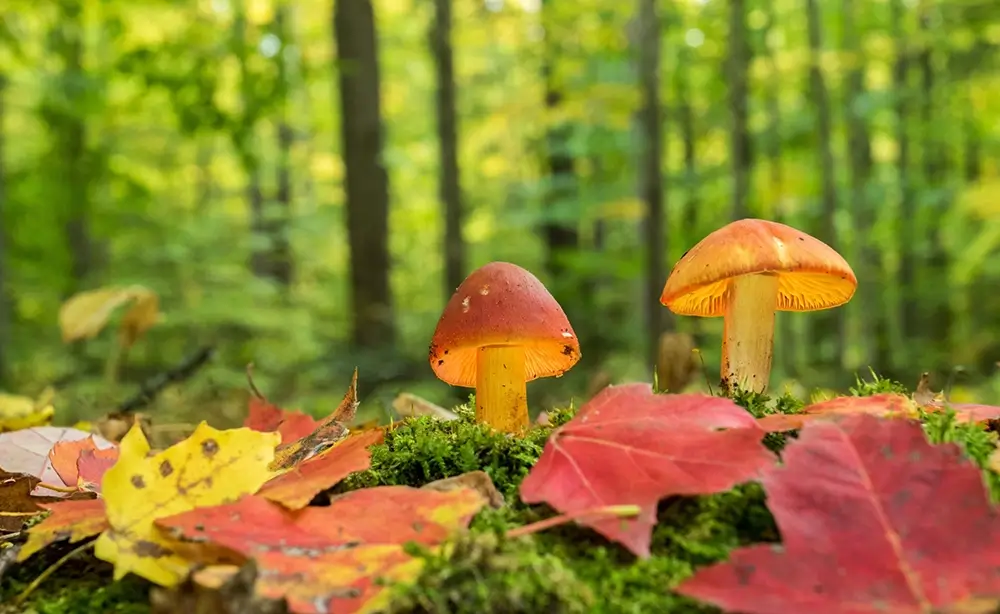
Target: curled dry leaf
(16, 503)
(27, 451)
(964, 412)
(886, 405)
(296, 488)
(85, 314)
(116, 425)
(629, 446)
(479, 481)
(331, 430)
(859, 503)
(331, 559)
(73, 520)
(208, 468)
(410, 405)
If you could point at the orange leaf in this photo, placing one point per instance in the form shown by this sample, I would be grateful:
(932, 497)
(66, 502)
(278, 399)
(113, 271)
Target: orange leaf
(92, 465)
(73, 520)
(296, 488)
(27, 451)
(887, 405)
(331, 430)
(64, 456)
(266, 417)
(330, 559)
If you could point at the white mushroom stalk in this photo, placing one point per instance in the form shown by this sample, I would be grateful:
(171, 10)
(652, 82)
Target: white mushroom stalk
(748, 337)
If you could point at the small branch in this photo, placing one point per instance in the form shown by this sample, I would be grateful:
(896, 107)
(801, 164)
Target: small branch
(49, 571)
(614, 511)
(253, 387)
(158, 383)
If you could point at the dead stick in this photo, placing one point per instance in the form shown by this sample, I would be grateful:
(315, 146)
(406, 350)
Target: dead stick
(158, 383)
(615, 511)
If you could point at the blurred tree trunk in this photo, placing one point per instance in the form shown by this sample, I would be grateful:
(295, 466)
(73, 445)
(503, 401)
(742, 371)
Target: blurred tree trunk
(279, 261)
(906, 320)
(686, 124)
(737, 74)
(934, 282)
(365, 178)
(865, 308)
(449, 182)
(972, 145)
(650, 122)
(829, 322)
(562, 237)
(5, 312)
(71, 144)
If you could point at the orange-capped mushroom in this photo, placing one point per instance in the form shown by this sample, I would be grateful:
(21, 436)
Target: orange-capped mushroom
(501, 329)
(745, 272)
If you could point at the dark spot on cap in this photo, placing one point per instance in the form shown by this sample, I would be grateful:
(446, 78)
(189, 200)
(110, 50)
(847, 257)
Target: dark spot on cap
(138, 482)
(440, 362)
(166, 468)
(446, 352)
(209, 448)
(567, 350)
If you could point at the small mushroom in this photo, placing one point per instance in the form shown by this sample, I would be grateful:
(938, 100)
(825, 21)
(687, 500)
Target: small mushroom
(501, 329)
(746, 271)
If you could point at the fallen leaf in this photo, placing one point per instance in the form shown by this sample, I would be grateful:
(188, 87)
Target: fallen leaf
(330, 559)
(116, 425)
(208, 468)
(16, 503)
(297, 487)
(409, 405)
(91, 467)
(873, 518)
(932, 401)
(331, 430)
(888, 404)
(478, 481)
(85, 314)
(18, 412)
(65, 454)
(218, 589)
(629, 446)
(27, 451)
(73, 520)
(267, 418)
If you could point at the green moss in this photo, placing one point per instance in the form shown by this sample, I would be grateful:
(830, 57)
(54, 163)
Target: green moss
(976, 441)
(83, 585)
(877, 385)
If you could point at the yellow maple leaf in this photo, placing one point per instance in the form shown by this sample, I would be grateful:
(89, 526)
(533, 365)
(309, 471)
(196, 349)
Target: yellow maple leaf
(18, 412)
(211, 467)
(85, 314)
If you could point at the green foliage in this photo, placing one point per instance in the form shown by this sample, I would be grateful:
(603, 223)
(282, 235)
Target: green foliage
(976, 441)
(877, 385)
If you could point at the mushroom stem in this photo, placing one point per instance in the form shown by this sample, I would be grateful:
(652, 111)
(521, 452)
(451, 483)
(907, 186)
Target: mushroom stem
(748, 340)
(501, 390)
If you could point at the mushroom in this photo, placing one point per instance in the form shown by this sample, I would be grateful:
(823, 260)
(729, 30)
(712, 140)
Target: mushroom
(745, 272)
(501, 329)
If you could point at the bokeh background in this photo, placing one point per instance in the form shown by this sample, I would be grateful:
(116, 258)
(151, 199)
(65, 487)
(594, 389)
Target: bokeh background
(303, 184)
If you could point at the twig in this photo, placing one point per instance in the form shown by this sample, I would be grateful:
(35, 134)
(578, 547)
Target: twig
(253, 387)
(57, 488)
(49, 571)
(20, 513)
(615, 511)
(158, 383)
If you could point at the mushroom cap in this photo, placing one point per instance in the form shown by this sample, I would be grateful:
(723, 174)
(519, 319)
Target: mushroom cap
(502, 304)
(811, 274)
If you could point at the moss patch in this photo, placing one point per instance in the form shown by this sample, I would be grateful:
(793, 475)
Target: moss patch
(565, 570)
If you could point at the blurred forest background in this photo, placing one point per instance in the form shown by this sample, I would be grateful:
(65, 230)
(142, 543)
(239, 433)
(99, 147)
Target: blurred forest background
(303, 184)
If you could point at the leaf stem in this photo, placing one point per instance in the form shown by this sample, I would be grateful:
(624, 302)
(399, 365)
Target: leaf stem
(69, 489)
(620, 511)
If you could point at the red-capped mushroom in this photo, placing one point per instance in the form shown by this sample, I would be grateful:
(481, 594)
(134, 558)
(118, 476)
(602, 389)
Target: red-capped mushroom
(745, 272)
(501, 329)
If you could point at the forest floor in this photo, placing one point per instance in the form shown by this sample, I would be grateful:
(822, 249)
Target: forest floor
(568, 569)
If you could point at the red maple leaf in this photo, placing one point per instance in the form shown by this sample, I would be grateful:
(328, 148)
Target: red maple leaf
(92, 465)
(629, 446)
(73, 520)
(874, 519)
(66, 454)
(888, 404)
(267, 418)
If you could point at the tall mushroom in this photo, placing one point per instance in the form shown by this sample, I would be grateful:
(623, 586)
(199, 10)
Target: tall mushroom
(745, 272)
(501, 329)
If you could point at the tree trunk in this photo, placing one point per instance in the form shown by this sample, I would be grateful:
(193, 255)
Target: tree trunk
(830, 324)
(449, 183)
(865, 308)
(562, 238)
(907, 210)
(650, 170)
(280, 264)
(72, 145)
(5, 312)
(365, 178)
(737, 73)
(686, 123)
